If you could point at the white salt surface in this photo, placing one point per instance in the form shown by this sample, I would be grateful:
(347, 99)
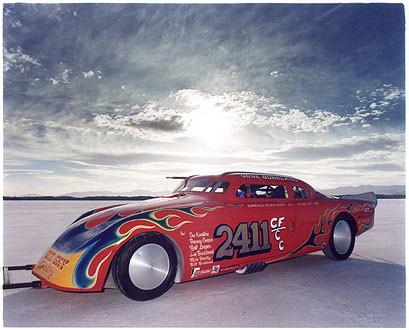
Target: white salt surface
(367, 290)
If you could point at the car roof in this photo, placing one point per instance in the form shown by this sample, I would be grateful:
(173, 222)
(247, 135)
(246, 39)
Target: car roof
(239, 176)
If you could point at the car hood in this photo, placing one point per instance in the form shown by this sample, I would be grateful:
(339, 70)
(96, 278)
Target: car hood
(90, 229)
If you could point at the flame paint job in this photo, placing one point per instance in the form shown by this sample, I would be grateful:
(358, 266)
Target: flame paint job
(91, 242)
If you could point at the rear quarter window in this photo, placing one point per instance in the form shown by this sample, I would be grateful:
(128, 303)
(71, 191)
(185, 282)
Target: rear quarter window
(299, 193)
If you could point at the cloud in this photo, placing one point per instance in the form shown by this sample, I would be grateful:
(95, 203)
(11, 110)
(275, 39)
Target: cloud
(372, 104)
(62, 77)
(249, 108)
(173, 88)
(262, 122)
(54, 81)
(8, 172)
(148, 121)
(379, 167)
(346, 149)
(275, 74)
(15, 58)
(136, 158)
(88, 74)
(167, 125)
(14, 22)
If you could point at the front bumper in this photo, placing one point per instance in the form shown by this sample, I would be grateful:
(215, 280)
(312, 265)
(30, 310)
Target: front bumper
(56, 269)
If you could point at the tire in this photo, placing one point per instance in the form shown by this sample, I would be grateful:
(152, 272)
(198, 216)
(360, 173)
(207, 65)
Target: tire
(145, 267)
(244, 270)
(251, 268)
(342, 240)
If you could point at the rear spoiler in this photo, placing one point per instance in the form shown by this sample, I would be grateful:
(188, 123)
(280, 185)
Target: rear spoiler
(366, 197)
(180, 177)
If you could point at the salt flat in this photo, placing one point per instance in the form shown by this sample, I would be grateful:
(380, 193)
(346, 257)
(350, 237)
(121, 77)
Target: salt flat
(367, 290)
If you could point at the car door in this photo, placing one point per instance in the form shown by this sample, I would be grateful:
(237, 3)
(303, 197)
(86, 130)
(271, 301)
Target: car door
(260, 226)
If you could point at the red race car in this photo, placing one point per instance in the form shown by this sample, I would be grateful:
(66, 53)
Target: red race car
(211, 225)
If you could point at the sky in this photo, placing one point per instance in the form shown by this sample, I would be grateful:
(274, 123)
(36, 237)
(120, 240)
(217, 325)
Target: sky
(115, 97)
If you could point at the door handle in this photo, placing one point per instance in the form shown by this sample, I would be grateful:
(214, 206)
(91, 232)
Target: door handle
(292, 226)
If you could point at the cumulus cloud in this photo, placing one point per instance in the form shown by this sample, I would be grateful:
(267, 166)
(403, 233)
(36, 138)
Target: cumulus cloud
(150, 122)
(249, 108)
(240, 109)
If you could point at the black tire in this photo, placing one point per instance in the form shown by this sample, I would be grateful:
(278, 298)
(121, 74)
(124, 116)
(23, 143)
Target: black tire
(331, 250)
(251, 268)
(121, 267)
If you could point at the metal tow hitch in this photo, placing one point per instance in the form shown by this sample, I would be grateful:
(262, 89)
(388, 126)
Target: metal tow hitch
(7, 283)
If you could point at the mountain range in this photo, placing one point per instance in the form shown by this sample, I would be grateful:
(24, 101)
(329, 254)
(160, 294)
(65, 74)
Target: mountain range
(344, 190)
(379, 190)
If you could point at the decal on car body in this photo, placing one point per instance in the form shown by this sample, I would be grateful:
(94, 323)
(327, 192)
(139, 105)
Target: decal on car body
(239, 240)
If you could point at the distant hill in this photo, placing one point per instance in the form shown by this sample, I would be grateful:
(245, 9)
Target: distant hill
(396, 191)
(110, 193)
(71, 198)
(93, 195)
(379, 190)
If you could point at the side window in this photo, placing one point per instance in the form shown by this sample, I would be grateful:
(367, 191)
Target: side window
(261, 191)
(299, 193)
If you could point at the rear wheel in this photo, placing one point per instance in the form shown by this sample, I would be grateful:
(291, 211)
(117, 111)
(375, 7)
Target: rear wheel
(145, 267)
(342, 240)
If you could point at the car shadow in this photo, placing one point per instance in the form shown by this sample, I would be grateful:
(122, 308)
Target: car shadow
(355, 292)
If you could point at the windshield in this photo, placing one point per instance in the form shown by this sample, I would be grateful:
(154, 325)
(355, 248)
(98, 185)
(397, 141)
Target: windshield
(196, 185)
(179, 186)
(204, 185)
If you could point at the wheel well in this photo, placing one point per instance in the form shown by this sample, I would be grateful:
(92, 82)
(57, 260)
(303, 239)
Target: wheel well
(179, 256)
(350, 219)
(178, 252)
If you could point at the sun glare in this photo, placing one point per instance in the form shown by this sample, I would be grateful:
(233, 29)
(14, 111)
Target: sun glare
(210, 124)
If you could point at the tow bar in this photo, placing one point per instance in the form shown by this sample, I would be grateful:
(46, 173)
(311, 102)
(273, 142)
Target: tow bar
(7, 280)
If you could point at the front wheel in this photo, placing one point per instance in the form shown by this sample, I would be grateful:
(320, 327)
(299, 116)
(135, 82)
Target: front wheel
(341, 241)
(145, 267)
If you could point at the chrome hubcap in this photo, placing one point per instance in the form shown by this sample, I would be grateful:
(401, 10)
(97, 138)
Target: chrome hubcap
(342, 237)
(149, 266)
(242, 270)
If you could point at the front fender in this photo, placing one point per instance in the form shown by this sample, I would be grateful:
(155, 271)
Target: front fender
(80, 258)
(91, 212)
